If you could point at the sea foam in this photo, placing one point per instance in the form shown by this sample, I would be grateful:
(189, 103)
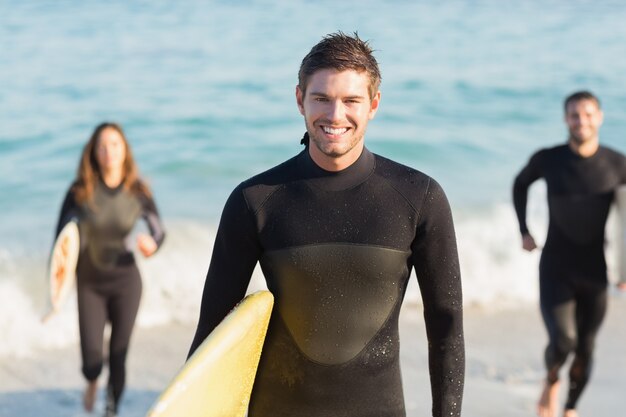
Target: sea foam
(496, 274)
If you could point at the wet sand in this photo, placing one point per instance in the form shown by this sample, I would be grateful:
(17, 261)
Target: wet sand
(504, 368)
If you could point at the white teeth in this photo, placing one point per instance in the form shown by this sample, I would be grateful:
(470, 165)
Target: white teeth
(338, 131)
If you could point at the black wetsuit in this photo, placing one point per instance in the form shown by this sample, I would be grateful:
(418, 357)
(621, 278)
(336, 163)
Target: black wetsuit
(336, 250)
(572, 271)
(108, 281)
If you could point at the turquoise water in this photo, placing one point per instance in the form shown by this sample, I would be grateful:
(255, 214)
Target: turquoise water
(205, 91)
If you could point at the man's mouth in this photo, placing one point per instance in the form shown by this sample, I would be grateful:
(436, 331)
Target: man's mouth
(334, 130)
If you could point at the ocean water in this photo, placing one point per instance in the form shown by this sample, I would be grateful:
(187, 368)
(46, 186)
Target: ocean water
(205, 91)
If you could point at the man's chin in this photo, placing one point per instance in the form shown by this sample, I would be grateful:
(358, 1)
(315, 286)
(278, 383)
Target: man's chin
(333, 153)
(331, 150)
(580, 139)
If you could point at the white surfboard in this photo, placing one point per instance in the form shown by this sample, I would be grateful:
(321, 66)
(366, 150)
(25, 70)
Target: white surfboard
(620, 199)
(62, 267)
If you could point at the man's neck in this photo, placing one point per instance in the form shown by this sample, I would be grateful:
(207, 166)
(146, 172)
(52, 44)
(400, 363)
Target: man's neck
(586, 148)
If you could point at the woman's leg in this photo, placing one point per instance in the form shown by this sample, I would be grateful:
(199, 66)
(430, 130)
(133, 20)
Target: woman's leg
(92, 313)
(123, 307)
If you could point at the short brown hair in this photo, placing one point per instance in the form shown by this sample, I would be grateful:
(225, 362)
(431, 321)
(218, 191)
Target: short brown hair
(340, 52)
(578, 96)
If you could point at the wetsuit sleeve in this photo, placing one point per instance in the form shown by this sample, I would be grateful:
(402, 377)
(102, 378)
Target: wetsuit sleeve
(436, 264)
(529, 174)
(235, 254)
(151, 216)
(69, 211)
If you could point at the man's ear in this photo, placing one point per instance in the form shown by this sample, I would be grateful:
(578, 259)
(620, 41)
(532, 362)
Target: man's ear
(374, 105)
(300, 99)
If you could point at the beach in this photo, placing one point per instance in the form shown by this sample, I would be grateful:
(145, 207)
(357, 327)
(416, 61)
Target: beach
(503, 369)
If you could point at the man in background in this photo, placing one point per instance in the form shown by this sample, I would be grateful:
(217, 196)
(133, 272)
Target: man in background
(581, 177)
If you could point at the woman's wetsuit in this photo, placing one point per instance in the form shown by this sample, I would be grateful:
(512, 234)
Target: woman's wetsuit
(336, 250)
(108, 281)
(572, 271)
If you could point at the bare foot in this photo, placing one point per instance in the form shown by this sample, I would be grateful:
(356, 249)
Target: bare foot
(89, 398)
(549, 401)
(570, 413)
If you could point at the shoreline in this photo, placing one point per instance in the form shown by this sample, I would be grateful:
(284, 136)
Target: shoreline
(504, 368)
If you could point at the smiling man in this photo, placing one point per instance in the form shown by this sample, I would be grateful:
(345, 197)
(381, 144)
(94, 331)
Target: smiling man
(581, 176)
(337, 231)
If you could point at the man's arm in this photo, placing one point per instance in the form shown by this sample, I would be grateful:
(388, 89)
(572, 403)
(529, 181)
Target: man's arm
(234, 257)
(436, 265)
(529, 174)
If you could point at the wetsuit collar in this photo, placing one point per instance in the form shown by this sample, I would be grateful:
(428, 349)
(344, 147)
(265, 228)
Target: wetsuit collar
(347, 178)
(578, 156)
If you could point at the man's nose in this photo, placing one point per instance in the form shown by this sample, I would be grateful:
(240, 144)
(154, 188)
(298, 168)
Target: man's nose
(577, 120)
(336, 110)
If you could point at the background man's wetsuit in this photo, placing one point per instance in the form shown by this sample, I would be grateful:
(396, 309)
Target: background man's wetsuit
(336, 250)
(572, 271)
(108, 281)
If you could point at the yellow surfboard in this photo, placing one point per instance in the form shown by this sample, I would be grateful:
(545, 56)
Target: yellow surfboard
(217, 379)
(62, 267)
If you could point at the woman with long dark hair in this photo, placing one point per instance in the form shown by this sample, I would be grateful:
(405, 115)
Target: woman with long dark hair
(106, 200)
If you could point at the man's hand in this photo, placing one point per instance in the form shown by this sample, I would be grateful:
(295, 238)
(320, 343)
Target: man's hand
(147, 246)
(621, 286)
(528, 243)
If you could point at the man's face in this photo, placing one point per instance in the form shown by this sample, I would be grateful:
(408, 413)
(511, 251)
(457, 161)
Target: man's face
(583, 119)
(336, 110)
